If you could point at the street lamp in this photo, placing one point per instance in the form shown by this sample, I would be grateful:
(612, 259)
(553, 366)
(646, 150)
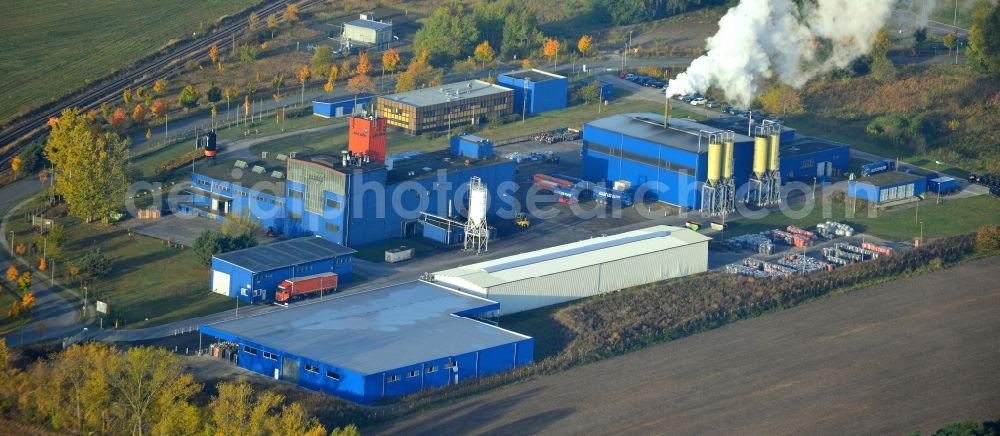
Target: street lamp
(921, 232)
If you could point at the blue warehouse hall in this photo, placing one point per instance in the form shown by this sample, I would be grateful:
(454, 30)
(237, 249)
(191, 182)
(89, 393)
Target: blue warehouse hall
(376, 344)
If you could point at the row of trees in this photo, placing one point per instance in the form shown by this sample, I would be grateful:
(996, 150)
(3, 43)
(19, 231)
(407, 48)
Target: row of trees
(93, 388)
(984, 38)
(237, 233)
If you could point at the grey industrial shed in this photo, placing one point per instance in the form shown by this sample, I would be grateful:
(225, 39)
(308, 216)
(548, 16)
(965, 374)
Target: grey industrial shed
(582, 269)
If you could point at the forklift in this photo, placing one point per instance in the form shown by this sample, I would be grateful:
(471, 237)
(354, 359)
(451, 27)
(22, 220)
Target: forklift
(522, 220)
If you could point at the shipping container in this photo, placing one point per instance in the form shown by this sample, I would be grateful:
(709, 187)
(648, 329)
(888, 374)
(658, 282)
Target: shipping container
(306, 286)
(398, 254)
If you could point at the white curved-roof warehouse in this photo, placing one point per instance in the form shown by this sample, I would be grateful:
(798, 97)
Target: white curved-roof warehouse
(584, 268)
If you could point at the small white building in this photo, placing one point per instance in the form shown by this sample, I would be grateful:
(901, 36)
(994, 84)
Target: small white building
(583, 269)
(366, 33)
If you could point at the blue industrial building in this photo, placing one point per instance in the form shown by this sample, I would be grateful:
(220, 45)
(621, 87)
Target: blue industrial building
(607, 90)
(352, 200)
(801, 157)
(471, 146)
(535, 91)
(253, 274)
(890, 186)
(381, 343)
(342, 106)
(662, 164)
(671, 164)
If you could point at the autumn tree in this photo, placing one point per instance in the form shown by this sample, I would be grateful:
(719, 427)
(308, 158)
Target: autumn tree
(213, 54)
(303, 77)
(150, 386)
(253, 20)
(322, 58)
(390, 60)
(127, 96)
(446, 35)
(159, 108)
(15, 164)
(418, 73)
(364, 64)
(526, 63)
(117, 119)
(92, 168)
(24, 282)
(347, 67)
(160, 85)
(987, 240)
(291, 14)
(984, 39)
(881, 67)
(137, 113)
(272, 23)
(583, 45)
(12, 274)
(237, 409)
(551, 50)
(189, 97)
(484, 53)
(782, 99)
(230, 92)
(949, 41)
(75, 395)
(331, 77)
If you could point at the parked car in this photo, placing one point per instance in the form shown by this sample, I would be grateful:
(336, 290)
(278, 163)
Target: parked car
(657, 84)
(629, 76)
(712, 103)
(729, 110)
(699, 101)
(623, 74)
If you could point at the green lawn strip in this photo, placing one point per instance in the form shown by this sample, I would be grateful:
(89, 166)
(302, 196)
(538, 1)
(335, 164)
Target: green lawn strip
(950, 217)
(550, 336)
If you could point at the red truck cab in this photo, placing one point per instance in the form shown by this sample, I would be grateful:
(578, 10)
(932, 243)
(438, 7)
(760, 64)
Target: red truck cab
(305, 286)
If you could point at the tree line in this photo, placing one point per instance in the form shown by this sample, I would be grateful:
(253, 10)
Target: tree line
(94, 388)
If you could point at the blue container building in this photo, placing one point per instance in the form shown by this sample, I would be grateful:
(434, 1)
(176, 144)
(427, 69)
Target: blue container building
(342, 106)
(377, 344)
(535, 91)
(887, 187)
(253, 274)
(471, 146)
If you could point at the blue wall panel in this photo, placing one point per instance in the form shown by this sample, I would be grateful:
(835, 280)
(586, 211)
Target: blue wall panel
(542, 96)
(803, 167)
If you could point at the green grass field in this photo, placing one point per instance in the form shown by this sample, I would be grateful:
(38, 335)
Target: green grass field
(951, 217)
(50, 47)
(149, 284)
(376, 252)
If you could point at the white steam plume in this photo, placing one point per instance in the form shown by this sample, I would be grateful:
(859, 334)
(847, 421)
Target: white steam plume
(764, 39)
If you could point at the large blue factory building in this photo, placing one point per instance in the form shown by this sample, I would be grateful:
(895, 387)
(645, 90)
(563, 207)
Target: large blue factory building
(670, 164)
(376, 344)
(535, 91)
(352, 199)
(253, 274)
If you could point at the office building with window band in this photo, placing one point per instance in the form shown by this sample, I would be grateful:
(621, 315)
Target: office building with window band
(445, 107)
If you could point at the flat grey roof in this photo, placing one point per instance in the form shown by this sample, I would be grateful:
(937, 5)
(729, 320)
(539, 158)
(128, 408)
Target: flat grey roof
(889, 178)
(680, 133)
(739, 124)
(533, 75)
(446, 93)
(369, 24)
(377, 330)
(284, 254)
(806, 145)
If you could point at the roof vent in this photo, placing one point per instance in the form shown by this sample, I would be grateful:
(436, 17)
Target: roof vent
(281, 157)
(240, 164)
(257, 169)
(263, 155)
(278, 174)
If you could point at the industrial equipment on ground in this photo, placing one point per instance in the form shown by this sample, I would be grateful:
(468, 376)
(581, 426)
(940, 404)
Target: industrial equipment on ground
(206, 141)
(718, 193)
(306, 286)
(477, 232)
(381, 343)
(521, 220)
(254, 274)
(398, 254)
(582, 269)
(765, 183)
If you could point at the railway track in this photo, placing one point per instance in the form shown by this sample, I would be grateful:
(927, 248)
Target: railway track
(142, 75)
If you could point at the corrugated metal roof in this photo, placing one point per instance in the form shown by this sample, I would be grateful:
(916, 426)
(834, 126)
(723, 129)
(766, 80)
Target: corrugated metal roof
(377, 330)
(284, 254)
(447, 93)
(573, 256)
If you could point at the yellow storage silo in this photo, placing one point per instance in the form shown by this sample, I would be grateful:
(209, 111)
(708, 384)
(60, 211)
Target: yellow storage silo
(714, 162)
(772, 162)
(727, 159)
(759, 156)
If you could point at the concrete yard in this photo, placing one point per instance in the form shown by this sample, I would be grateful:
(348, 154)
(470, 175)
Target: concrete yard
(179, 228)
(908, 355)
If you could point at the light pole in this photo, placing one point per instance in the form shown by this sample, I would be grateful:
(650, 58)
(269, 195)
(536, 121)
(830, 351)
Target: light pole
(955, 22)
(921, 232)
(627, 48)
(12, 242)
(86, 294)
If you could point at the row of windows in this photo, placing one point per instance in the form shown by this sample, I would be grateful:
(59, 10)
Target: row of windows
(333, 228)
(203, 182)
(271, 356)
(416, 372)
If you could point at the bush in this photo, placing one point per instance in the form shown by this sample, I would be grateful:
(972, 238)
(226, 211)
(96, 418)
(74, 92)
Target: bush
(248, 54)
(94, 263)
(209, 243)
(988, 239)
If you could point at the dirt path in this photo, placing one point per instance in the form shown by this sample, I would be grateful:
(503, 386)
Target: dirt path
(908, 355)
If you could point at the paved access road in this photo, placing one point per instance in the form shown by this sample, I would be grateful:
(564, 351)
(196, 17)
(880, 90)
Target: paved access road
(912, 354)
